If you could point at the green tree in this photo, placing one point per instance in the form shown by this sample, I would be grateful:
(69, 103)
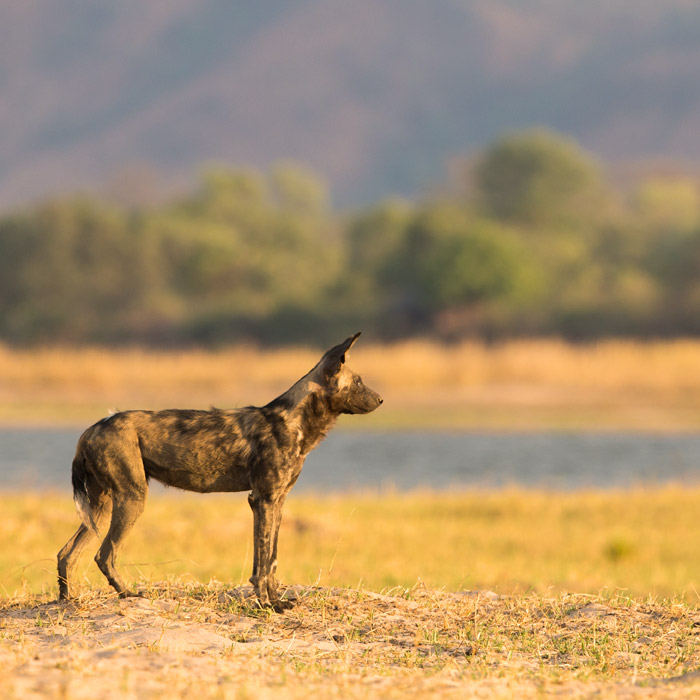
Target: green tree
(72, 270)
(248, 247)
(671, 204)
(450, 259)
(297, 189)
(373, 239)
(538, 178)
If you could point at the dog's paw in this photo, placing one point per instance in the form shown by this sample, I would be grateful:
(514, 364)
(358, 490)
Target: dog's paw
(280, 606)
(130, 594)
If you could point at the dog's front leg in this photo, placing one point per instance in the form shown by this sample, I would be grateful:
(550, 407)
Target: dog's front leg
(272, 586)
(263, 508)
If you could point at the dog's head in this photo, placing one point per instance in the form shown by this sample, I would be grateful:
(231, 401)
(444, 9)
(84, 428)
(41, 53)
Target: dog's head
(347, 390)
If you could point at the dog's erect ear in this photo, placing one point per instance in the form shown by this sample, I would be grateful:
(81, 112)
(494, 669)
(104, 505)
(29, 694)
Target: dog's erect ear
(334, 358)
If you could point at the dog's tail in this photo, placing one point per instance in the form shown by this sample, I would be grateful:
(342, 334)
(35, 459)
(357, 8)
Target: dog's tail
(81, 478)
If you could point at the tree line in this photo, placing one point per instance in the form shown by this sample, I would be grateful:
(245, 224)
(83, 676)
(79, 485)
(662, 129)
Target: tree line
(531, 239)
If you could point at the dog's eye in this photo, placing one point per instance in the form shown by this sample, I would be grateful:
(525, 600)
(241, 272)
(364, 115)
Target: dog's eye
(358, 381)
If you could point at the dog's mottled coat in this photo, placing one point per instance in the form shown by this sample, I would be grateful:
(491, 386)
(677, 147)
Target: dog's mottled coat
(260, 449)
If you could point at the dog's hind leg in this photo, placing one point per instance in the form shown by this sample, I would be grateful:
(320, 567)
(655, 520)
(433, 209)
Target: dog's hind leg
(126, 509)
(68, 558)
(70, 553)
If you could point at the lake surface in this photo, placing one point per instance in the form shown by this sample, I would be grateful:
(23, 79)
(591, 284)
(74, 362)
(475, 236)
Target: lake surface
(41, 458)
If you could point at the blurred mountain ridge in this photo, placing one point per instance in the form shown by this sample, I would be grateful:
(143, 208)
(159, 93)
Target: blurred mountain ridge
(375, 96)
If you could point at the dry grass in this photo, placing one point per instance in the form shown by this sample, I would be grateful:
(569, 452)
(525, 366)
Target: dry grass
(524, 384)
(183, 641)
(582, 595)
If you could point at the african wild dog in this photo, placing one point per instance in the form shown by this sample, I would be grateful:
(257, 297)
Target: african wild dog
(257, 449)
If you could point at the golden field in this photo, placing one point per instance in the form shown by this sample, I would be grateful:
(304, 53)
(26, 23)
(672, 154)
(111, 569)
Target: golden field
(496, 594)
(640, 542)
(529, 384)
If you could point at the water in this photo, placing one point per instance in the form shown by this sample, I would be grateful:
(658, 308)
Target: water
(41, 458)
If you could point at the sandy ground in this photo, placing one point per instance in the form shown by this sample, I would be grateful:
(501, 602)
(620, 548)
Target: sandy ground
(195, 641)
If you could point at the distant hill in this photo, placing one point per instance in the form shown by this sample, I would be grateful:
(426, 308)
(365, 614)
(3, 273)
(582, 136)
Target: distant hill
(373, 94)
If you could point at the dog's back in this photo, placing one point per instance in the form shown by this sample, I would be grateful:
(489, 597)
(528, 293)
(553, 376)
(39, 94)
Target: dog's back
(189, 449)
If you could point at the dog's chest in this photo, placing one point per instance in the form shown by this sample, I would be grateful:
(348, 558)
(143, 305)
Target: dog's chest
(302, 446)
(298, 455)
(294, 472)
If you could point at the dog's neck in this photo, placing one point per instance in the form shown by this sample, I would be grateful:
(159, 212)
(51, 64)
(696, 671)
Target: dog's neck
(314, 418)
(307, 407)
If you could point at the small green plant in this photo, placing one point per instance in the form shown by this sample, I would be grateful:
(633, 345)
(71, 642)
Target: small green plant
(619, 548)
